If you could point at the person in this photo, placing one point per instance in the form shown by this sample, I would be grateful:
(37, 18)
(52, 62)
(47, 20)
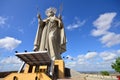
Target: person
(50, 34)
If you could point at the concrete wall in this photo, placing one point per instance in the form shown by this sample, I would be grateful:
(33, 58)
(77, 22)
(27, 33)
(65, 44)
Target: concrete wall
(27, 76)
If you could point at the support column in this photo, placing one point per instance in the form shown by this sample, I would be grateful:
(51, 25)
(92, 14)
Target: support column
(33, 69)
(61, 67)
(26, 68)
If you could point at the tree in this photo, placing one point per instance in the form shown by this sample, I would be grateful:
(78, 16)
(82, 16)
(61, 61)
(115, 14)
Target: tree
(116, 65)
(105, 73)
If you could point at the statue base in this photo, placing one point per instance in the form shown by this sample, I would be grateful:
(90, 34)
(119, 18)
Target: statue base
(37, 67)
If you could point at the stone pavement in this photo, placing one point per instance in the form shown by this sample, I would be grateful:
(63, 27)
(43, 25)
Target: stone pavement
(1, 78)
(77, 78)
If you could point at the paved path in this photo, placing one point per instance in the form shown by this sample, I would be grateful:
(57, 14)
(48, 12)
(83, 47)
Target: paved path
(1, 78)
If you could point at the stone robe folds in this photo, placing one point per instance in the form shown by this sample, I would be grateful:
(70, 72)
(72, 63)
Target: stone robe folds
(50, 36)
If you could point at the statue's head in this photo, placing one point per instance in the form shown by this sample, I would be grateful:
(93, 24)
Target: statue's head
(51, 11)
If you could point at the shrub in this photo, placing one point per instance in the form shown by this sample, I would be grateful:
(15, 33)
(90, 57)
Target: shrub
(105, 73)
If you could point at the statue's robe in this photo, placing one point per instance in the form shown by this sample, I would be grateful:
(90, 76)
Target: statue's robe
(51, 36)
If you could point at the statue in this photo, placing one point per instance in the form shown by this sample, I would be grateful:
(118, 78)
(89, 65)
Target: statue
(49, 44)
(50, 34)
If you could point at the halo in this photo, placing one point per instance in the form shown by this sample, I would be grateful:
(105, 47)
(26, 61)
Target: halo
(51, 9)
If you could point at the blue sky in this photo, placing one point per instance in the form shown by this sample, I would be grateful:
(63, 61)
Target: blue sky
(92, 29)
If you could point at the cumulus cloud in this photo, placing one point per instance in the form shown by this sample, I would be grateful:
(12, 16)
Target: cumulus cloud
(10, 60)
(108, 56)
(81, 59)
(76, 24)
(97, 32)
(102, 25)
(9, 43)
(104, 21)
(11, 63)
(97, 61)
(71, 64)
(110, 39)
(118, 51)
(90, 55)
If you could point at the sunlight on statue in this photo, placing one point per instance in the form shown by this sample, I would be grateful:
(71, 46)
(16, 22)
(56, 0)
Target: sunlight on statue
(50, 34)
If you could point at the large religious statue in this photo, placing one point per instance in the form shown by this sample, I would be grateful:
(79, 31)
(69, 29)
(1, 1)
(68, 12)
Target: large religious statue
(50, 34)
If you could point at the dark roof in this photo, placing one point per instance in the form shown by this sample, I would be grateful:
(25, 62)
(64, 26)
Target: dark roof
(35, 58)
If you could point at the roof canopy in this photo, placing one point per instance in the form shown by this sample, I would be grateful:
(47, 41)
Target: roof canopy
(35, 58)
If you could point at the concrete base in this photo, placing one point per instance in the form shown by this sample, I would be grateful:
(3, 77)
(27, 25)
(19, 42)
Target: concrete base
(31, 72)
(28, 76)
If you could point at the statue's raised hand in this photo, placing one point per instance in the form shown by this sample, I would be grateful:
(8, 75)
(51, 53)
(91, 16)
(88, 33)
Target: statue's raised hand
(35, 48)
(38, 15)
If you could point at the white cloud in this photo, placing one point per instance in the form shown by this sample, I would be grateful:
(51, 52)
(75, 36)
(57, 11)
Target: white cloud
(104, 21)
(11, 63)
(118, 51)
(103, 24)
(110, 39)
(9, 43)
(97, 32)
(107, 56)
(11, 60)
(93, 61)
(2, 21)
(76, 24)
(90, 55)
(81, 59)
(71, 64)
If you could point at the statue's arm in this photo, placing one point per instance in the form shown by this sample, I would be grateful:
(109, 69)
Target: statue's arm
(39, 33)
(40, 21)
(60, 23)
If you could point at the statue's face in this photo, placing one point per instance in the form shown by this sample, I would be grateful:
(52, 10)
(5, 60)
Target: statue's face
(51, 13)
